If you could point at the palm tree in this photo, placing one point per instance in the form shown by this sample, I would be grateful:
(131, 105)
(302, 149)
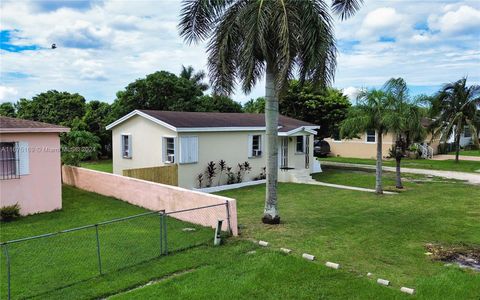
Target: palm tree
(456, 106)
(197, 78)
(371, 112)
(404, 121)
(250, 38)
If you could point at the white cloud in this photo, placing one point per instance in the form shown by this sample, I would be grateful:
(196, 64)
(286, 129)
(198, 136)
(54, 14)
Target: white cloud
(381, 21)
(351, 92)
(7, 93)
(460, 21)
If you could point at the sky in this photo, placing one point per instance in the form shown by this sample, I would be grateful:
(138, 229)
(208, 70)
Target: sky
(103, 45)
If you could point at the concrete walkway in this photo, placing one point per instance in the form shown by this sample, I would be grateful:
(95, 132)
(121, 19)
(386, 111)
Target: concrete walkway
(469, 177)
(449, 156)
(347, 187)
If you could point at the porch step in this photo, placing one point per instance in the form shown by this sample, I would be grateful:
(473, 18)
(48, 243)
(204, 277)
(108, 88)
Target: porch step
(301, 176)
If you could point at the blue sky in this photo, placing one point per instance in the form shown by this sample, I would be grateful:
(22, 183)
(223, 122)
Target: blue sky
(102, 45)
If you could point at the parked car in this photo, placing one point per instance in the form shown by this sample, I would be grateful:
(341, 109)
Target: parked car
(321, 148)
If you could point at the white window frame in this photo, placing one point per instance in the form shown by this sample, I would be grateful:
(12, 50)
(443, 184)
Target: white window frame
(303, 144)
(165, 155)
(128, 154)
(189, 144)
(258, 151)
(374, 136)
(465, 130)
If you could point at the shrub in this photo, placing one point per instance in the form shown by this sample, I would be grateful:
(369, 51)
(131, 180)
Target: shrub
(200, 180)
(10, 212)
(211, 171)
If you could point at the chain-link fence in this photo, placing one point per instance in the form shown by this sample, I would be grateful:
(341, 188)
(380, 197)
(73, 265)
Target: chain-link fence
(35, 265)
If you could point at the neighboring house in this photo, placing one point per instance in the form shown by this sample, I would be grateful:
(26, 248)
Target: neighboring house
(30, 166)
(148, 138)
(366, 145)
(466, 137)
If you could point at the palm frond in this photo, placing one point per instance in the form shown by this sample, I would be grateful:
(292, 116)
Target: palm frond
(346, 8)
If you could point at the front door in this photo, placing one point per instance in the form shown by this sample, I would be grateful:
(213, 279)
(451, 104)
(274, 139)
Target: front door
(283, 153)
(307, 152)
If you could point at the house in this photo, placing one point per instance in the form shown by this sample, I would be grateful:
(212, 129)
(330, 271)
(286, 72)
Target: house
(365, 146)
(190, 140)
(30, 166)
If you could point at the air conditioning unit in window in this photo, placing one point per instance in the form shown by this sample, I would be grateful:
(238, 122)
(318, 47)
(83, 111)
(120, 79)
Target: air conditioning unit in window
(257, 152)
(170, 158)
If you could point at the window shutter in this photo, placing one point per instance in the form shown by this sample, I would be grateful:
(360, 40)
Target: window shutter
(164, 149)
(23, 156)
(250, 145)
(184, 145)
(194, 149)
(175, 156)
(188, 149)
(130, 146)
(122, 145)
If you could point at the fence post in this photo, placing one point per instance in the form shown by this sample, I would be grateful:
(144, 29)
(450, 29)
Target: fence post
(98, 250)
(7, 257)
(161, 213)
(164, 222)
(229, 226)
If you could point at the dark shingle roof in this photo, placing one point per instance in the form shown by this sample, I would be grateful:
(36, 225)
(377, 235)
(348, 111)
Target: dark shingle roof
(214, 119)
(8, 124)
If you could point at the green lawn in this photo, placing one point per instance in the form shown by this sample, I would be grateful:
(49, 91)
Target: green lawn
(65, 267)
(384, 235)
(99, 165)
(446, 165)
(468, 152)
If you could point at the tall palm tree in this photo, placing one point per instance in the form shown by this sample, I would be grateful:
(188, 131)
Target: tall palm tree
(250, 38)
(196, 78)
(371, 112)
(456, 106)
(404, 120)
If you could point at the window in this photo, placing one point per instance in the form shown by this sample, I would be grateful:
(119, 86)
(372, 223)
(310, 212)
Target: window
(254, 145)
(9, 162)
(467, 132)
(371, 138)
(169, 150)
(188, 149)
(300, 144)
(126, 146)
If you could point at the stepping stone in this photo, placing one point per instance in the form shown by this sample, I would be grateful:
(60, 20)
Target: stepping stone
(188, 229)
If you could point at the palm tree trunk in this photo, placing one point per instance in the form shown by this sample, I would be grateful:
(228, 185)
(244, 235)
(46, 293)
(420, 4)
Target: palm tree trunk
(270, 215)
(457, 141)
(378, 171)
(398, 160)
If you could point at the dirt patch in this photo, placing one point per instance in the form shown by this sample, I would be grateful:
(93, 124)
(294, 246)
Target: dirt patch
(465, 256)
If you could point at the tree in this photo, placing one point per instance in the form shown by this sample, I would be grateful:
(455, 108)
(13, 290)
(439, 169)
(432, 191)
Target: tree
(404, 121)
(160, 90)
(250, 38)
(456, 106)
(255, 106)
(326, 107)
(97, 116)
(7, 110)
(196, 78)
(218, 103)
(372, 112)
(79, 145)
(61, 108)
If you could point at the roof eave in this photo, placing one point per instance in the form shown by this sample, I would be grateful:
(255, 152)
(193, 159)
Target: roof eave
(28, 130)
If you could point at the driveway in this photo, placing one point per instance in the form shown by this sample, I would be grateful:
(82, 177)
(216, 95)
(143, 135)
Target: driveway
(469, 177)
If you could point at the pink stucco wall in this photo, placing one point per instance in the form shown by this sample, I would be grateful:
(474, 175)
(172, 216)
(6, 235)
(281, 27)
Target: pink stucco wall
(41, 190)
(155, 196)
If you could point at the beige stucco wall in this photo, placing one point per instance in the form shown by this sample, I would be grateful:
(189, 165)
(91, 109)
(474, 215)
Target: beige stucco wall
(41, 190)
(156, 196)
(146, 144)
(212, 146)
(359, 148)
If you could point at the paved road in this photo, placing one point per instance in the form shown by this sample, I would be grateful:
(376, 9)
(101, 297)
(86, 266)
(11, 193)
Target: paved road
(449, 156)
(470, 177)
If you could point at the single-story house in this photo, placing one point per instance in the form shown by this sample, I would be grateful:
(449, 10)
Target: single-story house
(365, 146)
(30, 165)
(190, 140)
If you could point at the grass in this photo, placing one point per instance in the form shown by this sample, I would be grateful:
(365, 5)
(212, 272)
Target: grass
(46, 264)
(99, 165)
(467, 152)
(384, 235)
(65, 267)
(445, 165)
